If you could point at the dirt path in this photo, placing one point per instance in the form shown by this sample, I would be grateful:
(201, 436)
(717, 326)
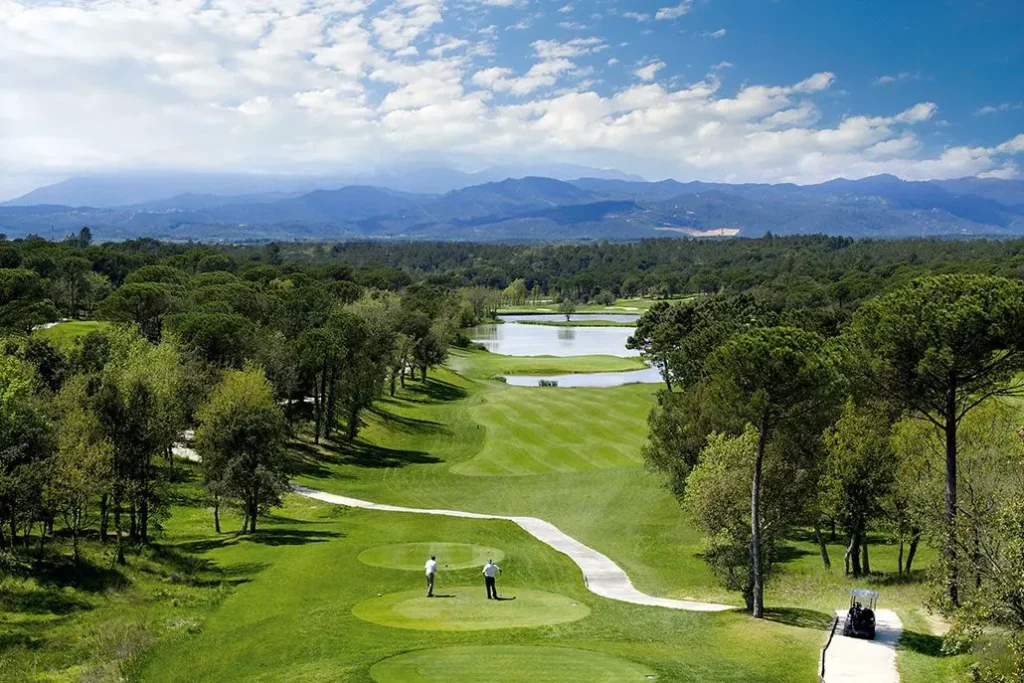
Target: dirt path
(602, 576)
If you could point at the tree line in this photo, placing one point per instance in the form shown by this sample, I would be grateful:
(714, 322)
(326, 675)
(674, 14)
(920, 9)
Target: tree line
(766, 426)
(89, 426)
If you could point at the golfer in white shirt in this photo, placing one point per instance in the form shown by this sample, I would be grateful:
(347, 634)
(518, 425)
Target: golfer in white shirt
(490, 569)
(431, 568)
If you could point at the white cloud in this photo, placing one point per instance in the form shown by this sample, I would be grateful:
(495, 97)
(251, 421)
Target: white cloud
(720, 33)
(896, 78)
(673, 12)
(318, 85)
(565, 9)
(637, 16)
(1001, 108)
(577, 47)
(917, 113)
(650, 70)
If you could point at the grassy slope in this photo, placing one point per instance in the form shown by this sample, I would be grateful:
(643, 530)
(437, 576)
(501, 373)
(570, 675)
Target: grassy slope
(65, 333)
(278, 606)
(484, 365)
(458, 427)
(293, 620)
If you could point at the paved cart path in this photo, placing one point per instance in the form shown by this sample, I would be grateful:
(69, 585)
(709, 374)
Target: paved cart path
(852, 660)
(602, 576)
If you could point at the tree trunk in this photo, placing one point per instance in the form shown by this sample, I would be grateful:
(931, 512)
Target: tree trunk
(914, 539)
(822, 547)
(216, 513)
(117, 530)
(755, 523)
(864, 550)
(144, 520)
(353, 422)
(664, 373)
(133, 529)
(952, 578)
(423, 373)
(330, 422)
(394, 378)
(104, 519)
(76, 521)
(253, 512)
(851, 561)
(899, 559)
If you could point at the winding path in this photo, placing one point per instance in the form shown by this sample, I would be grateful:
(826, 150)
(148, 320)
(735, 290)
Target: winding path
(852, 660)
(601, 576)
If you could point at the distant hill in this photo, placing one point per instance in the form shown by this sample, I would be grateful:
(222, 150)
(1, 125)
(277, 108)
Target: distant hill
(544, 208)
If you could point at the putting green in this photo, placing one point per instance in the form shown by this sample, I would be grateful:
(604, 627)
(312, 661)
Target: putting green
(508, 664)
(412, 556)
(466, 608)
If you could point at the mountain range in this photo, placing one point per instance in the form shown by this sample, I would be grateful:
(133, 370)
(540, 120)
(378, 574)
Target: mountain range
(611, 207)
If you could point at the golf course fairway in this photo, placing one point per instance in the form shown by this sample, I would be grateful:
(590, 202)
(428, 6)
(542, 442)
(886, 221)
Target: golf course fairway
(465, 608)
(412, 556)
(512, 664)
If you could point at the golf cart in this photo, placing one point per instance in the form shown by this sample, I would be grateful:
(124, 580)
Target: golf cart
(860, 620)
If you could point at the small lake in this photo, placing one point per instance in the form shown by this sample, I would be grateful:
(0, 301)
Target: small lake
(512, 338)
(516, 339)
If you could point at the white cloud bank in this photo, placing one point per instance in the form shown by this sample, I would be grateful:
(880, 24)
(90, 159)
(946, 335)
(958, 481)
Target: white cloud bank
(325, 85)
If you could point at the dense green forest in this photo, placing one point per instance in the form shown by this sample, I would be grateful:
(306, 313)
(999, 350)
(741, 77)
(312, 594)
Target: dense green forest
(816, 383)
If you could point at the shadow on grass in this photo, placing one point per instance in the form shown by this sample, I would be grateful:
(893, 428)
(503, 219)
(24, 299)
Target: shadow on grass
(433, 391)
(923, 643)
(51, 600)
(789, 553)
(308, 458)
(801, 618)
(408, 425)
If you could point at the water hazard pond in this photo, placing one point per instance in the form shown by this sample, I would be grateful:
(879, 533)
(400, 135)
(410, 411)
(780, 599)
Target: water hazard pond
(516, 337)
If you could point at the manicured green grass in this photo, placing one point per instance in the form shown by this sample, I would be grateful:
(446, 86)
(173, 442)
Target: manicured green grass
(413, 556)
(285, 604)
(516, 664)
(292, 619)
(533, 432)
(485, 365)
(575, 323)
(432, 435)
(65, 334)
(466, 608)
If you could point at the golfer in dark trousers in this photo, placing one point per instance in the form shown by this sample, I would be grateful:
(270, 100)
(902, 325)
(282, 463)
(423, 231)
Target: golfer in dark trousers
(490, 569)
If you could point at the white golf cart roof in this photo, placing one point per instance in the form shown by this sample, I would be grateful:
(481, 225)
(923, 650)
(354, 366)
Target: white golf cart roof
(863, 593)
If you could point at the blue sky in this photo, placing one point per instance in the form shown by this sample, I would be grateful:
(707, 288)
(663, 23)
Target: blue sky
(734, 90)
